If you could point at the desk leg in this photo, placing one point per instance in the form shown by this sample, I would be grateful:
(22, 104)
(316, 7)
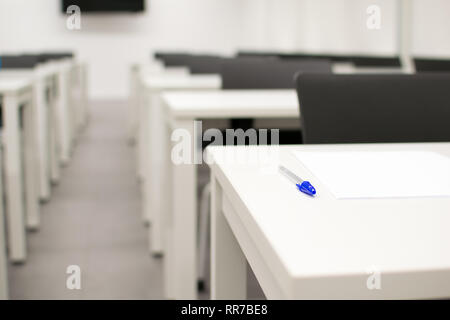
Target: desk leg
(84, 93)
(144, 145)
(41, 112)
(54, 149)
(63, 117)
(31, 169)
(14, 180)
(163, 221)
(228, 263)
(141, 132)
(183, 268)
(133, 108)
(77, 100)
(158, 175)
(83, 105)
(3, 260)
(72, 109)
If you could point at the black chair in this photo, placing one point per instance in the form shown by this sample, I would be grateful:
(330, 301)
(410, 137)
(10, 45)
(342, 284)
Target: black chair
(374, 108)
(161, 55)
(267, 73)
(204, 64)
(20, 61)
(56, 55)
(432, 65)
(357, 60)
(380, 62)
(173, 59)
(197, 64)
(29, 61)
(256, 54)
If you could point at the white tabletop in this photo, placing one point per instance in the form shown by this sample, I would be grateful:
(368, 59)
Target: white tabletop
(181, 81)
(48, 69)
(321, 242)
(8, 85)
(223, 103)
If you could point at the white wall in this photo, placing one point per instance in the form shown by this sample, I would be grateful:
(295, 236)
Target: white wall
(337, 26)
(110, 43)
(431, 28)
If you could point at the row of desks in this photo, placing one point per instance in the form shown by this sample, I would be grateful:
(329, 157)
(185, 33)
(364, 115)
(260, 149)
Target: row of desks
(168, 109)
(177, 183)
(172, 99)
(42, 113)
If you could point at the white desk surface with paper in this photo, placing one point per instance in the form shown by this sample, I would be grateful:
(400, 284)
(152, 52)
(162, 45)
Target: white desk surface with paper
(380, 174)
(322, 247)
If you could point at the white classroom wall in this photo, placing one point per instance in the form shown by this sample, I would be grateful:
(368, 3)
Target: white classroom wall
(335, 26)
(431, 28)
(110, 43)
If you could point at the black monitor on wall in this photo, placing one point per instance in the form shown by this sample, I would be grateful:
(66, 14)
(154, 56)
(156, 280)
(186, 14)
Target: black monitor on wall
(105, 5)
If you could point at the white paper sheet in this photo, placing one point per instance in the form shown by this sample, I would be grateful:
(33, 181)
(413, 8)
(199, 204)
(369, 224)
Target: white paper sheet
(389, 174)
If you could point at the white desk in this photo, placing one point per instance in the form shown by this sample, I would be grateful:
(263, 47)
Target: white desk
(53, 131)
(3, 261)
(152, 133)
(42, 77)
(322, 248)
(78, 88)
(136, 72)
(64, 112)
(177, 184)
(16, 100)
(138, 99)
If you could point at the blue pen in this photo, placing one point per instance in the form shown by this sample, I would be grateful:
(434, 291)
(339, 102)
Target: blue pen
(303, 186)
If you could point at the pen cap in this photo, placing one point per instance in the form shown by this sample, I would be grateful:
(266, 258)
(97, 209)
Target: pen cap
(307, 188)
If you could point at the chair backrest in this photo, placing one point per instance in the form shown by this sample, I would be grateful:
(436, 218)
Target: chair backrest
(372, 61)
(56, 55)
(255, 54)
(173, 59)
(204, 64)
(356, 60)
(267, 73)
(432, 65)
(163, 54)
(358, 108)
(197, 64)
(19, 61)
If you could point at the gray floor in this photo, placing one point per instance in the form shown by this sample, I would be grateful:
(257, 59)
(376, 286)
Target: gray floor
(93, 220)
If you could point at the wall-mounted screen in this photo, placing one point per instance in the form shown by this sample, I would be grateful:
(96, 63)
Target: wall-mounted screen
(105, 5)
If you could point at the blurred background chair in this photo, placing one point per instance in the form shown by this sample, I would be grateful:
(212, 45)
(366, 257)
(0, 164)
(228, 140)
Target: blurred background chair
(432, 65)
(374, 108)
